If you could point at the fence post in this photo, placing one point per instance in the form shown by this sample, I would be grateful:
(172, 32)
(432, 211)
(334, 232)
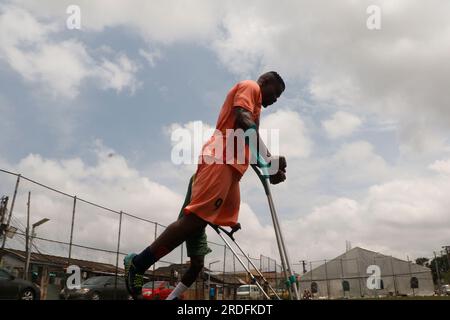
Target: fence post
(326, 279)
(224, 260)
(276, 276)
(234, 276)
(11, 210)
(359, 278)
(71, 229)
(393, 276)
(117, 256)
(342, 278)
(248, 263)
(410, 277)
(374, 290)
(154, 265)
(182, 254)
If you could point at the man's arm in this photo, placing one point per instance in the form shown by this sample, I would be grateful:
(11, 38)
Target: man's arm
(244, 121)
(275, 169)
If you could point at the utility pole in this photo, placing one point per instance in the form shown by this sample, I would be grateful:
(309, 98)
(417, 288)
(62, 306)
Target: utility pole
(3, 206)
(447, 251)
(437, 272)
(33, 234)
(304, 265)
(27, 236)
(11, 210)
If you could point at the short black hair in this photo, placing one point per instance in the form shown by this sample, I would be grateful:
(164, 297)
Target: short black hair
(274, 76)
(278, 78)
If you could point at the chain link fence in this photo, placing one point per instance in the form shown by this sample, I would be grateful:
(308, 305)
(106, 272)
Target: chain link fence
(75, 224)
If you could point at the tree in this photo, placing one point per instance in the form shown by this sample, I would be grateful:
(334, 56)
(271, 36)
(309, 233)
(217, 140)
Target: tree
(444, 272)
(423, 261)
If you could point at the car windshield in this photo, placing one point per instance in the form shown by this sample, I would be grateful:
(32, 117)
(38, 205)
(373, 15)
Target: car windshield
(4, 274)
(243, 289)
(94, 281)
(149, 285)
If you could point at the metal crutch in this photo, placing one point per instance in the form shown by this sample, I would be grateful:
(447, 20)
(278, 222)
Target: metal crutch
(230, 234)
(242, 263)
(280, 241)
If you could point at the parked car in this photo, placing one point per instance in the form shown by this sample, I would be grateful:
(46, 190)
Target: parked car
(445, 289)
(161, 290)
(14, 288)
(98, 288)
(248, 292)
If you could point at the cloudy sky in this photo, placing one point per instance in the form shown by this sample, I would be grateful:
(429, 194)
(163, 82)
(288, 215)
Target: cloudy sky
(364, 121)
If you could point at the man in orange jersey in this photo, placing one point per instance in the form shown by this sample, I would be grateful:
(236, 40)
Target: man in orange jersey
(213, 194)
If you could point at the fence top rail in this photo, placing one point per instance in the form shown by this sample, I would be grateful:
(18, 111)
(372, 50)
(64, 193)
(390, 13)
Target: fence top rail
(142, 219)
(89, 202)
(78, 198)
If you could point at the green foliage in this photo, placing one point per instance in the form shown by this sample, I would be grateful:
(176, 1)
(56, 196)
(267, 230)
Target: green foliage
(442, 265)
(422, 261)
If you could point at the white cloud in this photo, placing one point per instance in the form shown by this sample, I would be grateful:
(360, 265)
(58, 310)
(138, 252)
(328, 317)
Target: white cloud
(155, 21)
(441, 166)
(151, 56)
(342, 124)
(357, 162)
(110, 182)
(328, 46)
(399, 217)
(418, 138)
(319, 234)
(294, 141)
(119, 75)
(58, 67)
(386, 72)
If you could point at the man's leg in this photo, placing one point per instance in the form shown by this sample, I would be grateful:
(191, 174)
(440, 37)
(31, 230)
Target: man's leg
(175, 234)
(196, 266)
(197, 248)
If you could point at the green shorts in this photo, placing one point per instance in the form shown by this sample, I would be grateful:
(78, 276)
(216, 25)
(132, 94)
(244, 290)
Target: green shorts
(197, 244)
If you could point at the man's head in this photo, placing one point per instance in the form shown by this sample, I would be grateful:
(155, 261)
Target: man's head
(272, 86)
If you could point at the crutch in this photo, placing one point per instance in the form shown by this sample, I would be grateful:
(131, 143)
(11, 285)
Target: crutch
(290, 277)
(230, 234)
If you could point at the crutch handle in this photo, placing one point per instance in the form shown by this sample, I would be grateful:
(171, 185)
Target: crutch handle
(262, 178)
(234, 228)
